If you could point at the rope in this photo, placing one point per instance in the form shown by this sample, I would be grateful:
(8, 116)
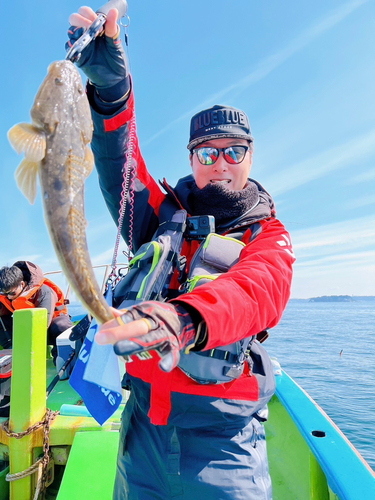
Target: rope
(42, 463)
(27, 472)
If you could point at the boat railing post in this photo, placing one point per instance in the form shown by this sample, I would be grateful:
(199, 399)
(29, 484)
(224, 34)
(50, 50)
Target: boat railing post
(28, 393)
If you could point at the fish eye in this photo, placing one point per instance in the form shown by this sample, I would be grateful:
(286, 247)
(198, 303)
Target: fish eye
(58, 81)
(80, 89)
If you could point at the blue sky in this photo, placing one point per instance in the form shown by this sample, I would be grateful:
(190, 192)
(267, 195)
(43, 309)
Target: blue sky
(302, 71)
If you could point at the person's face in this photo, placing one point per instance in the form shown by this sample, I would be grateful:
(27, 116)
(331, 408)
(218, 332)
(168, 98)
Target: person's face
(15, 292)
(232, 176)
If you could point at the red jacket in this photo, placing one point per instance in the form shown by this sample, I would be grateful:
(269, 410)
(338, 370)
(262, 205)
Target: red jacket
(246, 300)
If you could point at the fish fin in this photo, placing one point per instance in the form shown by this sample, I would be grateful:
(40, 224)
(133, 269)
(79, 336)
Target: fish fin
(79, 169)
(89, 159)
(28, 139)
(77, 225)
(26, 178)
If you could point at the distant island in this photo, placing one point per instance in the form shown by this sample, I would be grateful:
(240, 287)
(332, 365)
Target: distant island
(338, 298)
(332, 298)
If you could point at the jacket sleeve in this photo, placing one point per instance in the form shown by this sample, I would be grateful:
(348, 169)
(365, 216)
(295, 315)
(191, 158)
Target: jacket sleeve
(114, 135)
(253, 294)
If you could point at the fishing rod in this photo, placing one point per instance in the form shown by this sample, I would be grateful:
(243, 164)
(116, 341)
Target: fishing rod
(78, 332)
(60, 373)
(75, 51)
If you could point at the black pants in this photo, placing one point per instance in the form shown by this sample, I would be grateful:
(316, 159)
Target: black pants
(6, 330)
(58, 325)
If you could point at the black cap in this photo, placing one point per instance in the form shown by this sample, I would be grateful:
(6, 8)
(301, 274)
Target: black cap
(218, 122)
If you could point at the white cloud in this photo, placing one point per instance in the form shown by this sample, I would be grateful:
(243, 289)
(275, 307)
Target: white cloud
(318, 166)
(367, 176)
(359, 259)
(106, 256)
(270, 63)
(31, 258)
(99, 226)
(335, 259)
(361, 202)
(335, 238)
(336, 280)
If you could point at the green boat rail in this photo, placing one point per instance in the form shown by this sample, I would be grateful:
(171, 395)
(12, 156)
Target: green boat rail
(309, 457)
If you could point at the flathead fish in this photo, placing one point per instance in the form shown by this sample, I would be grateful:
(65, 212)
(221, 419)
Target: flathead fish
(56, 147)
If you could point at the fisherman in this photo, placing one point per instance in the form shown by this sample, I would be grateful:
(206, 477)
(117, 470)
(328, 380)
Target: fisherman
(199, 380)
(23, 286)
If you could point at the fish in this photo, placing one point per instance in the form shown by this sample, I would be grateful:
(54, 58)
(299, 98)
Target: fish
(57, 151)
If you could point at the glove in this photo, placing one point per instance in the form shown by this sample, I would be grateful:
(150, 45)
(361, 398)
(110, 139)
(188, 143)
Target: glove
(103, 61)
(170, 330)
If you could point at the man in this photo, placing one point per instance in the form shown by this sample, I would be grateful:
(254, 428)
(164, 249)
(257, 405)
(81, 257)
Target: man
(23, 286)
(199, 381)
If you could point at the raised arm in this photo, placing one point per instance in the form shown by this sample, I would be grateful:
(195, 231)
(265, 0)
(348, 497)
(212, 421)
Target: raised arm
(112, 103)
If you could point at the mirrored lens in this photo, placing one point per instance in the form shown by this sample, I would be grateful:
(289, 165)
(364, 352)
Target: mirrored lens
(207, 156)
(235, 154)
(232, 154)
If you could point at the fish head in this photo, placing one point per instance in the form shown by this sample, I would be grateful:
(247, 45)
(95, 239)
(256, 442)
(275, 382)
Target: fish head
(62, 98)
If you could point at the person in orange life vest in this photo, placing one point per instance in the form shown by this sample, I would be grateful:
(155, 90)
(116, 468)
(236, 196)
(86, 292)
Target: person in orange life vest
(23, 286)
(181, 438)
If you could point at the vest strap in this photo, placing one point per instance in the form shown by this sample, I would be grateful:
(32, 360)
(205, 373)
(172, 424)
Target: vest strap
(219, 354)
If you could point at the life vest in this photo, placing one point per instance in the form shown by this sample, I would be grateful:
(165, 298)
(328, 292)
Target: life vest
(215, 256)
(24, 300)
(6, 303)
(149, 276)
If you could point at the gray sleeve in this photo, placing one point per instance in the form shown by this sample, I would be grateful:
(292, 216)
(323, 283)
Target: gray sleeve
(46, 298)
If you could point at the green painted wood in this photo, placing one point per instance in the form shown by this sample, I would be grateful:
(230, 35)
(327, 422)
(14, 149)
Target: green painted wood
(91, 468)
(294, 470)
(62, 392)
(28, 393)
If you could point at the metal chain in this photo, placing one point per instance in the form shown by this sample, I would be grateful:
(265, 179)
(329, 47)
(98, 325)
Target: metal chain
(43, 461)
(50, 416)
(36, 426)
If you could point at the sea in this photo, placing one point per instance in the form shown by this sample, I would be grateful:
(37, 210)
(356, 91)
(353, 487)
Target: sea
(328, 348)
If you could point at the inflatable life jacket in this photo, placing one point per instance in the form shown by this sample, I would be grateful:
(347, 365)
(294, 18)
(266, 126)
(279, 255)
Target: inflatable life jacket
(149, 276)
(24, 300)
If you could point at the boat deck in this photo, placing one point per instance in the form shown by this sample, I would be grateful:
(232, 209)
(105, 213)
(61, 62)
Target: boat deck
(309, 457)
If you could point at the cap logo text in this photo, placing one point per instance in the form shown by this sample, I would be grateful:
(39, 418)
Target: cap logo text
(219, 117)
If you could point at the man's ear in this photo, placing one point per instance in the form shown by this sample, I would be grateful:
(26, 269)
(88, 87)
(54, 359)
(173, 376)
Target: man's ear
(191, 160)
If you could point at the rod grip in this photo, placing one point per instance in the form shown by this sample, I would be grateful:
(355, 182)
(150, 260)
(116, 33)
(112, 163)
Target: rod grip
(120, 5)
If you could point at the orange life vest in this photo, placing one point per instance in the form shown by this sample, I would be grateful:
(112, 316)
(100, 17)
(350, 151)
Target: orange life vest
(24, 300)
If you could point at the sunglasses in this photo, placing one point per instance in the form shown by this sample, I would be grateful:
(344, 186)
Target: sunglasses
(12, 292)
(233, 154)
